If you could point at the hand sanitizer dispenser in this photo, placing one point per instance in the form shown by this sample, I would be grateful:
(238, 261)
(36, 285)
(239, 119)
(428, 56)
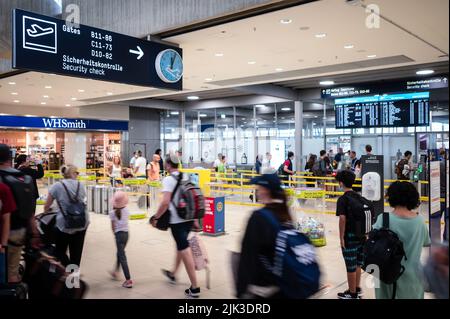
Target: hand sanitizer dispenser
(371, 188)
(244, 159)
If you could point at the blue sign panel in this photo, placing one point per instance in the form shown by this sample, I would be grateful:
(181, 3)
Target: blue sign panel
(58, 123)
(46, 44)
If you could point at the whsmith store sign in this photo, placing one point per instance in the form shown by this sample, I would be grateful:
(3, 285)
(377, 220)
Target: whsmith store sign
(58, 123)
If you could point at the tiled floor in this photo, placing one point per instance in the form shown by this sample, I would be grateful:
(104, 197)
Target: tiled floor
(150, 250)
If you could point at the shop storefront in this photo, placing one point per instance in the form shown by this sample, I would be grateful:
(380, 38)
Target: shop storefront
(87, 143)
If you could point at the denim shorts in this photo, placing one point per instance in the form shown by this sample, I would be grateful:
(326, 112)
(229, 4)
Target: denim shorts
(180, 233)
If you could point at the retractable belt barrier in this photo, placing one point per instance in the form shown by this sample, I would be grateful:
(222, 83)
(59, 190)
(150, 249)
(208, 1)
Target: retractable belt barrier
(145, 195)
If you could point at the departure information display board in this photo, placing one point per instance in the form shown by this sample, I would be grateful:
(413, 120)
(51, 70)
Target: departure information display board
(46, 44)
(388, 110)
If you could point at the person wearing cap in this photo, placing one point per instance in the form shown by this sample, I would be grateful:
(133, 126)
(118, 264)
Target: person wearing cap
(119, 216)
(253, 279)
(179, 227)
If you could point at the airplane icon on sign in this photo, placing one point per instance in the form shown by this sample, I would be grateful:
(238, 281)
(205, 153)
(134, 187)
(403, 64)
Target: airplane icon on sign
(39, 35)
(38, 31)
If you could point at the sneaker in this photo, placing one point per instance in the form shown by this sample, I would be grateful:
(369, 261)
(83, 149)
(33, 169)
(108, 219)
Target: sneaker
(114, 275)
(128, 284)
(192, 292)
(359, 292)
(347, 295)
(169, 276)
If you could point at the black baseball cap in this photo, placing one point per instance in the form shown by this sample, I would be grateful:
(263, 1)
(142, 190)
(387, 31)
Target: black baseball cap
(270, 181)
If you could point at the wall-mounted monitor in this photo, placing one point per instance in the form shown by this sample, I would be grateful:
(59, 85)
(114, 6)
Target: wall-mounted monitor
(387, 110)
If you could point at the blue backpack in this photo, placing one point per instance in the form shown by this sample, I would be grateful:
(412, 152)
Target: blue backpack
(295, 265)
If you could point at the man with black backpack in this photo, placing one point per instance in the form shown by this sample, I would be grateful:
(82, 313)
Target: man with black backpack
(356, 215)
(22, 219)
(287, 168)
(168, 213)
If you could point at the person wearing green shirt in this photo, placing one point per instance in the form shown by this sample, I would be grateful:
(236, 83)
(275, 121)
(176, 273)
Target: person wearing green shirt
(221, 168)
(412, 231)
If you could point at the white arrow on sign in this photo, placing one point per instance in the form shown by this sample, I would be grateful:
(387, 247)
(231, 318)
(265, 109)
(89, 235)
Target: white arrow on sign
(139, 52)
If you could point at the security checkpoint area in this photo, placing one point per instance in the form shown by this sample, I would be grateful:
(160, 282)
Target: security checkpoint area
(244, 150)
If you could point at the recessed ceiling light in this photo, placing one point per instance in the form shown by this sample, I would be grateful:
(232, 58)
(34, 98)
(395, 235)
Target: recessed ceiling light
(279, 69)
(349, 46)
(80, 90)
(424, 72)
(245, 122)
(223, 116)
(203, 115)
(12, 83)
(109, 93)
(315, 116)
(326, 82)
(67, 104)
(48, 86)
(192, 97)
(320, 35)
(371, 56)
(251, 62)
(208, 79)
(45, 96)
(14, 93)
(16, 101)
(285, 108)
(260, 105)
(73, 98)
(43, 103)
(218, 54)
(285, 21)
(174, 112)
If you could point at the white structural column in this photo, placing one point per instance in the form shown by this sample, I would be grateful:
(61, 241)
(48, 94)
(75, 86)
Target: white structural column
(75, 149)
(325, 124)
(298, 107)
(182, 137)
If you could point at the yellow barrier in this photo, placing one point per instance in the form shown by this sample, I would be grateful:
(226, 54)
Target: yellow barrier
(232, 186)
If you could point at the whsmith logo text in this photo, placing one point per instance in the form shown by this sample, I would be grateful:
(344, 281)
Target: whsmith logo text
(63, 123)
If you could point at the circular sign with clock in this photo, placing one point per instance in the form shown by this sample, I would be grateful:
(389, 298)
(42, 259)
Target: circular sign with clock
(169, 66)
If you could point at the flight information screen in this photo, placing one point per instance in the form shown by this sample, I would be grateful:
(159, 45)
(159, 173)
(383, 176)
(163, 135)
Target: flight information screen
(388, 110)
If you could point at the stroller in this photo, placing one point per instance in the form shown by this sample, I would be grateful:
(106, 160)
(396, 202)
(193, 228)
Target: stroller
(46, 225)
(42, 272)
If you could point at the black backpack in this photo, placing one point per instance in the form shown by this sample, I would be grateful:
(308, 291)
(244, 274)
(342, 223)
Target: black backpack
(384, 250)
(22, 188)
(75, 212)
(361, 214)
(281, 170)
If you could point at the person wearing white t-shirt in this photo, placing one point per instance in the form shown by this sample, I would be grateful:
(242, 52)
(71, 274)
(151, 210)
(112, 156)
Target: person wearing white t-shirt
(180, 227)
(140, 166)
(266, 164)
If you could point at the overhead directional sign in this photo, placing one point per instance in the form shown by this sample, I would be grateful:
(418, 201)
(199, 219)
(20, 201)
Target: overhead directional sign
(46, 44)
